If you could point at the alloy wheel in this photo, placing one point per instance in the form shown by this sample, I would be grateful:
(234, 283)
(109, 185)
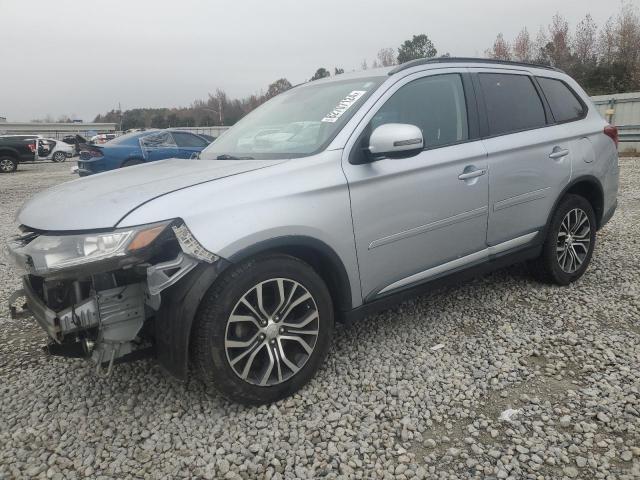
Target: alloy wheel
(59, 157)
(271, 332)
(574, 240)
(6, 165)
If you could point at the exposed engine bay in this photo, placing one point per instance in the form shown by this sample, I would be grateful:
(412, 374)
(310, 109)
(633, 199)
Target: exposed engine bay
(104, 311)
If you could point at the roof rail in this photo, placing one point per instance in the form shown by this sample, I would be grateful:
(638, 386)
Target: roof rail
(428, 61)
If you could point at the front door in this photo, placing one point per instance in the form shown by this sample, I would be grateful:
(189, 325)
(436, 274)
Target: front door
(529, 160)
(421, 216)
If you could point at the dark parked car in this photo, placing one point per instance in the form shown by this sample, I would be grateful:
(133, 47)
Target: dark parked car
(15, 149)
(139, 147)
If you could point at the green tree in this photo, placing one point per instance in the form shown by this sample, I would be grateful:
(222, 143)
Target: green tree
(320, 73)
(277, 87)
(418, 47)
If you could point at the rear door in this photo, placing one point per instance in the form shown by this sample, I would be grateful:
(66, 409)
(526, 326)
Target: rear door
(158, 146)
(188, 144)
(529, 161)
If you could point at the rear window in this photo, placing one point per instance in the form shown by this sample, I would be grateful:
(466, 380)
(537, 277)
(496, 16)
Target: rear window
(512, 103)
(563, 102)
(188, 140)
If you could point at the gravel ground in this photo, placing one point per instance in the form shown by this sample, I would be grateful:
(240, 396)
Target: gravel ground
(414, 392)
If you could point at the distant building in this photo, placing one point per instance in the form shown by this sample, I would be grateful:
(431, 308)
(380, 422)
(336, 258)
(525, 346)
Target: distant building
(56, 130)
(3, 119)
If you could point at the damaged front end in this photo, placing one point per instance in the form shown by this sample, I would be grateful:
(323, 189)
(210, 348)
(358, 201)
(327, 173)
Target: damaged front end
(96, 294)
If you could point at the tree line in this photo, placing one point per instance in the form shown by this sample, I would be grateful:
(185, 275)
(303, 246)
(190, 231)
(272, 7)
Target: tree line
(603, 59)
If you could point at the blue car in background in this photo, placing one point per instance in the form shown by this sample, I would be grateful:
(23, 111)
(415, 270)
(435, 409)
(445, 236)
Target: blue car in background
(139, 147)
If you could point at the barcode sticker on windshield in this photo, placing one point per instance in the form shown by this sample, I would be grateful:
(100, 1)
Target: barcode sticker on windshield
(343, 106)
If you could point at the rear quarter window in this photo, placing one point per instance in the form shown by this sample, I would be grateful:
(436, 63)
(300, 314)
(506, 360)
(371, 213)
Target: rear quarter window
(512, 103)
(565, 105)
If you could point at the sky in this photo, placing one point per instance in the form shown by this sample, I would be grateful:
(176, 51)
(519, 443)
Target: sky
(84, 57)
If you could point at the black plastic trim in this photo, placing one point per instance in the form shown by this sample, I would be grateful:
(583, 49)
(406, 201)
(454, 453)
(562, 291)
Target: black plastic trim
(177, 312)
(454, 278)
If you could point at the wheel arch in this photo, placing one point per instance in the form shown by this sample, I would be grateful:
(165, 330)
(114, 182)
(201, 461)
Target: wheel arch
(180, 302)
(588, 187)
(320, 256)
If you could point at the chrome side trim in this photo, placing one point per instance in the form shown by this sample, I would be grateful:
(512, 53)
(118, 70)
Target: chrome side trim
(518, 199)
(460, 262)
(445, 222)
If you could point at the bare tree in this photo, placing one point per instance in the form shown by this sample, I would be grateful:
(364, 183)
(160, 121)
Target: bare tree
(559, 39)
(607, 41)
(386, 57)
(541, 48)
(627, 35)
(501, 49)
(585, 40)
(364, 65)
(523, 46)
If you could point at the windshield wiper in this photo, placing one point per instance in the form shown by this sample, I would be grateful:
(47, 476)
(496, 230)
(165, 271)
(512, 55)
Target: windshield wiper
(231, 157)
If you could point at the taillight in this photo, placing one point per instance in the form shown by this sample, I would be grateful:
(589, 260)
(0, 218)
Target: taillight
(612, 132)
(93, 153)
(32, 147)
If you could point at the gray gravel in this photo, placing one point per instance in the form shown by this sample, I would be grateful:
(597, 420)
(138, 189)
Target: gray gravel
(566, 361)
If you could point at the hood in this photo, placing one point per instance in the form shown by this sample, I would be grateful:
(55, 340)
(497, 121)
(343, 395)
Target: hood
(102, 200)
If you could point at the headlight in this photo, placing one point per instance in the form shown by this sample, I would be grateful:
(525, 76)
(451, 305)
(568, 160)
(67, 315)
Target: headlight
(51, 253)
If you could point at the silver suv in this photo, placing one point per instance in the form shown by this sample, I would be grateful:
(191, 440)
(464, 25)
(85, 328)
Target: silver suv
(332, 200)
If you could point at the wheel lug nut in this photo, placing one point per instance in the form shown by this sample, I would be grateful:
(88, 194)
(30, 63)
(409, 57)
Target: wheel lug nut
(273, 342)
(282, 330)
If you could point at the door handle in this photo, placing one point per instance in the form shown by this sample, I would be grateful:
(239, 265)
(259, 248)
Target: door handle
(559, 153)
(473, 174)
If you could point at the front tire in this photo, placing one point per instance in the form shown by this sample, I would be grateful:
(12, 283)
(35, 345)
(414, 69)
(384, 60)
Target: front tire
(568, 247)
(263, 329)
(59, 157)
(8, 164)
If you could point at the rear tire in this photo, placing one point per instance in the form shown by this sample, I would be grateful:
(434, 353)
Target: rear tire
(568, 247)
(243, 341)
(8, 164)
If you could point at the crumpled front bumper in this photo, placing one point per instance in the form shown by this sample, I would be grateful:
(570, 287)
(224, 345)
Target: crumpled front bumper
(57, 324)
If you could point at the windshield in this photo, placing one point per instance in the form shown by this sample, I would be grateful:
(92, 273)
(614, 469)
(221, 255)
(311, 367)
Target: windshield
(296, 123)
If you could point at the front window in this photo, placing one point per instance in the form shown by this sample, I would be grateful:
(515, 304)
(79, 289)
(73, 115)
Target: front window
(296, 123)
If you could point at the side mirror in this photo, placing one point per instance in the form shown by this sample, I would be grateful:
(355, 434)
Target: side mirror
(395, 138)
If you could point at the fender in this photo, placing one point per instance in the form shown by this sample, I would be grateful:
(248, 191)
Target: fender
(315, 252)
